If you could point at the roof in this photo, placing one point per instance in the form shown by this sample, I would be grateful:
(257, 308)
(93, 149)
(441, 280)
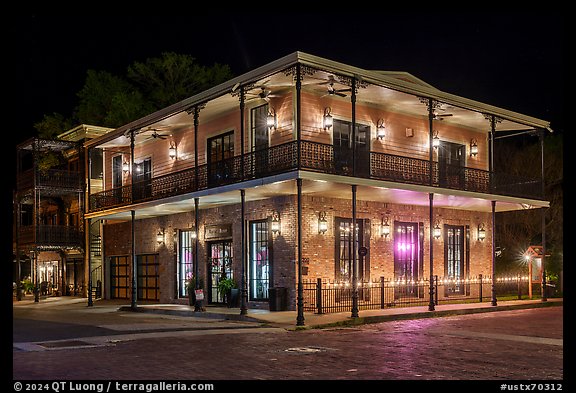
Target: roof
(399, 81)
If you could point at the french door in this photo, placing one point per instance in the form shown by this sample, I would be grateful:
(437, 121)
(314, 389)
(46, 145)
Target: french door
(408, 258)
(220, 256)
(343, 145)
(454, 259)
(450, 164)
(344, 246)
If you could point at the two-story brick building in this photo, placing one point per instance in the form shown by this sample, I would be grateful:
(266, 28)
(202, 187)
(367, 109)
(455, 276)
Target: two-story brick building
(262, 178)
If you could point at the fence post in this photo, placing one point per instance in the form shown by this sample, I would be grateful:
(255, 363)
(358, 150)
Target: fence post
(436, 289)
(480, 287)
(319, 295)
(382, 302)
(519, 288)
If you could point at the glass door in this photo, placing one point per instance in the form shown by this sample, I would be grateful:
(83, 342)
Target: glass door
(454, 258)
(450, 164)
(342, 142)
(219, 267)
(407, 261)
(260, 260)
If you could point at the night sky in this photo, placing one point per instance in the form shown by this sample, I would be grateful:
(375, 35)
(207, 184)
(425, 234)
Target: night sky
(511, 60)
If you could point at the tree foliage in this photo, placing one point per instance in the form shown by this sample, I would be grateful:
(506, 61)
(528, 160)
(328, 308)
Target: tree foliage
(516, 230)
(110, 100)
(173, 77)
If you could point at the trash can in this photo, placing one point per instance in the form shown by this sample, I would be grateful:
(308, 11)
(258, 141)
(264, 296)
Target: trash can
(278, 299)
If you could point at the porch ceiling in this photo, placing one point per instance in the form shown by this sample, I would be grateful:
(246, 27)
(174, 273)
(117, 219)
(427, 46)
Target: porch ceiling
(321, 185)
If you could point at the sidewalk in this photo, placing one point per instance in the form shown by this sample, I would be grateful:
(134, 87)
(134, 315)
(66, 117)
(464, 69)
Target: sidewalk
(287, 319)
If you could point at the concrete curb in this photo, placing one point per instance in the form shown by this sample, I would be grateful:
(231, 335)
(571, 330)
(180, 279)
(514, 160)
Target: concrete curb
(429, 314)
(201, 314)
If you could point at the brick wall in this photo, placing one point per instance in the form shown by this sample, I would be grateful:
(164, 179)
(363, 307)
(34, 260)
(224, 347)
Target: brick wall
(319, 249)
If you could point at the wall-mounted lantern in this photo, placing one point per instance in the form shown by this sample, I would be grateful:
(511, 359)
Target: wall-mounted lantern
(125, 167)
(328, 119)
(473, 148)
(271, 119)
(322, 223)
(385, 228)
(172, 150)
(435, 140)
(275, 223)
(481, 232)
(160, 237)
(437, 231)
(380, 129)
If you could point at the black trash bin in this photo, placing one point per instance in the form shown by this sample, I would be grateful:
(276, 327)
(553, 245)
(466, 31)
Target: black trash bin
(278, 299)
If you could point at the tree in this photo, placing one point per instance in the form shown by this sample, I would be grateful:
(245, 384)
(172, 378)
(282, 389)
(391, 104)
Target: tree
(173, 77)
(516, 230)
(109, 100)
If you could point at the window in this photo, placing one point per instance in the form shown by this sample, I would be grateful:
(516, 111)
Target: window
(260, 260)
(344, 245)
(185, 261)
(221, 157)
(454, 257)
(408, 257)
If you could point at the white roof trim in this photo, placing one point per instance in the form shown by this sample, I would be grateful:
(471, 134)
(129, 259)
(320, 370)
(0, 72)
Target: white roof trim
(385, 79)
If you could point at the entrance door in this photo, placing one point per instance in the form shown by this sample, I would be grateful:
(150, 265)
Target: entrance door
(75, 276)
(342, 140)
(344, 242)
(260, 142)
(219, 267)
(407, 259)
(454, 267)
(259, 272)
(450, 164)
(120, 277)
(221, 158)
(117, 179)
(142, 180)
(148, 277)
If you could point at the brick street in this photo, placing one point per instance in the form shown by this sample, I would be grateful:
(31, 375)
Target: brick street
(504, 345)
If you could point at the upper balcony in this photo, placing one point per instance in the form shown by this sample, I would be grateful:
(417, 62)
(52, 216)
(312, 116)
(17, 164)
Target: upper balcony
(316, 157)
(303, 113)
(52, 166)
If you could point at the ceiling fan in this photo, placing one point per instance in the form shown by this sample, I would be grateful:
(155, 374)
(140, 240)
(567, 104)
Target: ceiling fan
(155, 134)
(332, 91)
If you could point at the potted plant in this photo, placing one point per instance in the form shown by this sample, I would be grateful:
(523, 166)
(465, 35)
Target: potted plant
(225, 286)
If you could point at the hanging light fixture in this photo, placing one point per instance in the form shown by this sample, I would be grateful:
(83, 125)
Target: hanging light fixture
(473, 148)
(435, 140)
(385, 228)
(380, 129)
(322, 223)
(328, 119)
(437, 231)
(481, 232)
(271, 121)
(125, 167)
(193, 234)
(172, 150)
(275, 223)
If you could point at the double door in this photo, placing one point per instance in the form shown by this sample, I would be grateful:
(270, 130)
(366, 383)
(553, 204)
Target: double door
(220, 257)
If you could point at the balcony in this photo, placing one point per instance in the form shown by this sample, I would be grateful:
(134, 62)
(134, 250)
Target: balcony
(51, 236)
(316, 157)
(52, 179)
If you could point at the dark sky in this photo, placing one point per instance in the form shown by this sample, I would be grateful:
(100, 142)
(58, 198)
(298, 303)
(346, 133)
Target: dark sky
(511, 60)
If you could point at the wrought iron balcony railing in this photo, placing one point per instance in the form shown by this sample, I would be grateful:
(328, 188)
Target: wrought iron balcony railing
(317, 157)
(48, 236)
(54, 179)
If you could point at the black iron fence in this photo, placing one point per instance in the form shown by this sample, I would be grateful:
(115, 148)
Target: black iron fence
(51, 235)
(316, 157)
(323, 296)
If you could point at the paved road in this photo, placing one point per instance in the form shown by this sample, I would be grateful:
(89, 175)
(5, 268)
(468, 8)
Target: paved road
(91, 344)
